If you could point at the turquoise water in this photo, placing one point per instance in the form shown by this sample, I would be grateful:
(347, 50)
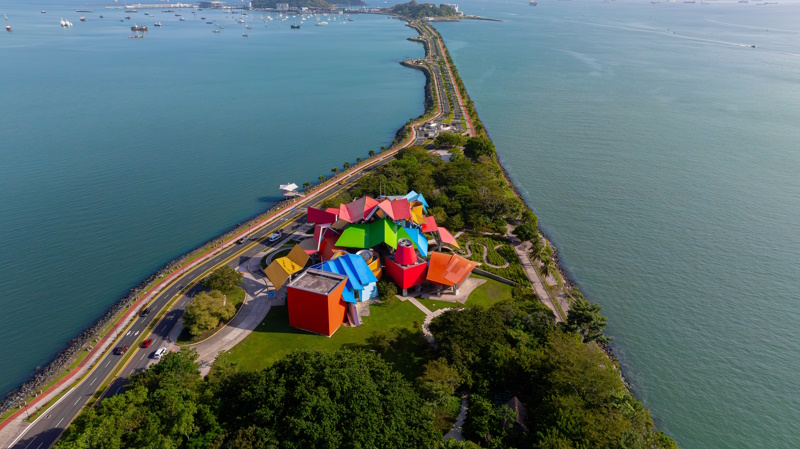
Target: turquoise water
(666, 168)
(117, 154)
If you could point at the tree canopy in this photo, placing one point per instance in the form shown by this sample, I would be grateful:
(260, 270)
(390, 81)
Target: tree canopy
(307, 399)
(478, 146)
(223, 279)
(447, 140)
(414, 10)
(206, 310)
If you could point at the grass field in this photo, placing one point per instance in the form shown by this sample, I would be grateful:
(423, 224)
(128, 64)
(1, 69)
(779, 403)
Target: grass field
(274, 338)
(485, 295)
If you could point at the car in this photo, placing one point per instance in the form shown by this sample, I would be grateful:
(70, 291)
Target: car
(274, 237)
(242, 239)
(159, 353)
(147, 342)
(121, 350)
(145, 312)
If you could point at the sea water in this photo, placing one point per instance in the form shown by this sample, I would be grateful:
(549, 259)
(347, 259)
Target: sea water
(118, 155)
(661, 152)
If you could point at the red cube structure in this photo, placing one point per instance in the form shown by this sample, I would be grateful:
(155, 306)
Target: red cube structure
(315, 301)
(404, 268)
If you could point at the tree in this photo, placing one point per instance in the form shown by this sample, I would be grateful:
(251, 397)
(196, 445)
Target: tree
(584, 318)
(383, 149)
(206, 310)
(306, 186)
(335, 171)
(447, 140)
(479, 146)
(546, 267)
(223, 279)
(321, 179)
(346, 165)
(358, 160)
(526, 232)
(328, 400)
(439, 381)
(371, 153)
(387, 290)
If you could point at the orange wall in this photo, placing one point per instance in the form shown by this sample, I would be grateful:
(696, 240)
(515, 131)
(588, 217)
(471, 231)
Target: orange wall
(316, 312)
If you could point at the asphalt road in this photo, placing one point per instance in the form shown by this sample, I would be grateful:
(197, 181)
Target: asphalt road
(46, 430)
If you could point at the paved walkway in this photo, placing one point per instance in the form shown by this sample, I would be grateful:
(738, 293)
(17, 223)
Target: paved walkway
(522, 249)
(458, 426)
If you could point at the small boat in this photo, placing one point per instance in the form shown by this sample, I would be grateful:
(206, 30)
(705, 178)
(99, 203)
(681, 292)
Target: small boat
(83, 19)
(249, 27)
(8, 28)
(533, 3)
(66, 23)
(215, 31)
(138, 28)
(136, 36)
(209, 23)
(244, 34)
(157, 24)
(84, 10)
(127, 17)
(101, 16)
(43, 12)
(130, 10)
(202, 18)
(295, 26)
(182, 19)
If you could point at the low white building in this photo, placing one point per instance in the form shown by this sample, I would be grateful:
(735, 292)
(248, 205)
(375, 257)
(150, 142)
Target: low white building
(282, 6)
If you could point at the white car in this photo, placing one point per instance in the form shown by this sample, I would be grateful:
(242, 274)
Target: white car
(274, 237)
(159, 353)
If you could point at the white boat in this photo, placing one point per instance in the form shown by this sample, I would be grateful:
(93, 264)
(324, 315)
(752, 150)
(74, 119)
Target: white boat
(65, 23)
(215, 31)
(244, 34)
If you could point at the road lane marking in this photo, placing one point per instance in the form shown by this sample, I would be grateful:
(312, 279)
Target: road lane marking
(129, 332)
(115, 393)
(26, 447)
(76, 402)
(109, 361)
(137, 333)
(40, 445)
(93, 382)
(59, 423)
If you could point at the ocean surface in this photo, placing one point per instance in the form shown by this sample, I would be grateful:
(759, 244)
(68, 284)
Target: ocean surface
(661, 153)
(118, 155)
(660, 150)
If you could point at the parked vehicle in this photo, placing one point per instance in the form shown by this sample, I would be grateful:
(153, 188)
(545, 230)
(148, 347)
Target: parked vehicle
(159, 353)
(274, 237)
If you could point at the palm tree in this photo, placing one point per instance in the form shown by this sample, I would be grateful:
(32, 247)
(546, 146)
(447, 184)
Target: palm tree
(546, 269)
(306, 186)
(383, 149)
(335, 170)
(358, 160)
(346, 165)
(321, 179)
(371, 153)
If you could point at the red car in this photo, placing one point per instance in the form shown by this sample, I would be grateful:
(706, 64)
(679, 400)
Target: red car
(147, 342)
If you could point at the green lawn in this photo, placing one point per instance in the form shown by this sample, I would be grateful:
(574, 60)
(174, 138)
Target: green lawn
(274, 338)
(236, 296)
(434, 305)
(489, 293)
(485, 295)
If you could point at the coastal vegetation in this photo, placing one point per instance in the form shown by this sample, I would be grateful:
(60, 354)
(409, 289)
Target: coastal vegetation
(414, 10)
(206, 310)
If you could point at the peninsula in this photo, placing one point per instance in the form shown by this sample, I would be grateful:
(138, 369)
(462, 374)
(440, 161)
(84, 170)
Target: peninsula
(445, 321)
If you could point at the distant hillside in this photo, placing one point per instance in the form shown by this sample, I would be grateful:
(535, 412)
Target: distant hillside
(306, 3)
(414, 10)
